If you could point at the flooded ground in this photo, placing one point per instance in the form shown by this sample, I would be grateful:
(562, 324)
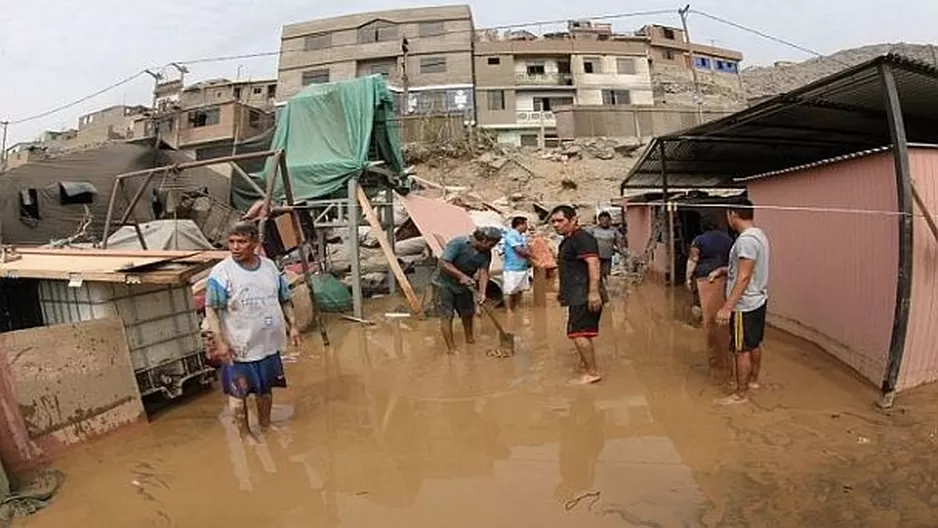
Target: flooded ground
(385, 430)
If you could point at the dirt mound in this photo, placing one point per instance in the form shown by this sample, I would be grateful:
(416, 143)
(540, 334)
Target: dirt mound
(773, 80)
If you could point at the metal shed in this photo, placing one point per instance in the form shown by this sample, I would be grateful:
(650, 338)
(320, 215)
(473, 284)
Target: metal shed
(870, 129)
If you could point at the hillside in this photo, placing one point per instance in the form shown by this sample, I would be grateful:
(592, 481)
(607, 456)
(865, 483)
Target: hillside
(772, 80)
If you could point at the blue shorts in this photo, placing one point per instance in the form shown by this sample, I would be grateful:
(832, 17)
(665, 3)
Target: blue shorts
(253, 377)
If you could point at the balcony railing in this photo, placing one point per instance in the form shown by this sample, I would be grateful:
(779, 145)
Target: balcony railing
(544, 79)
(535, 118)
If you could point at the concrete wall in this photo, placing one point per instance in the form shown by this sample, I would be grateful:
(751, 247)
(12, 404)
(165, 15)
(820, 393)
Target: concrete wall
(626, 121)
(108, 124)
(231, 113)
(431, 128)
(69, 383)
(833, 274)
(920, 360)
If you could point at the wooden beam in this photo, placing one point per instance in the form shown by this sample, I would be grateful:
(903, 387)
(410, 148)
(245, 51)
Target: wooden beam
(246, 177)
(929, 219)
(379, 233)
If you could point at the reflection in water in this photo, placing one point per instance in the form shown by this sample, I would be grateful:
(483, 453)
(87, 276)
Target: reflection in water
(384, 429)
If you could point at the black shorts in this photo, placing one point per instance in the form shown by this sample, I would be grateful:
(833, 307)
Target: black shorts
(747, 329)
(581, 322)
(449, 302)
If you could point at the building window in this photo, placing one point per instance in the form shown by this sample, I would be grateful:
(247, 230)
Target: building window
(237, 92)
(548, 104)
(254, 118)
(204, 118)
(536, 68)
(616, 97)
(315, 77)
(592, 65)
(494, 61)
(377, 31)
(726, 66)
(383, 68)
(668, 33)
(528, 140)
(703, 63)
(433, 65)
(432, 29)
(496, 100)
(625, 66)
(318, 42)
(668, 54)
(271, 91)
(257, 91)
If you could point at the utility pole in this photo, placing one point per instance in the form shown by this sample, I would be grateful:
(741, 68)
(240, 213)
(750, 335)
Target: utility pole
(154, 114)
(3, 146)
(698, 101)
(405, 80)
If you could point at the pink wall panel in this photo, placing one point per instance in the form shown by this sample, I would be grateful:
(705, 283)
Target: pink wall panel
(920, 360)
(833, 274)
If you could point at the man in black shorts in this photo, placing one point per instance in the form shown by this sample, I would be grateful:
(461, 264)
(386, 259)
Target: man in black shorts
(747, 280)
(461, 280)
(581, 288)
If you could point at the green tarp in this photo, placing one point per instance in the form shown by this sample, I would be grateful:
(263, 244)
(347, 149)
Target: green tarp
(331, 132)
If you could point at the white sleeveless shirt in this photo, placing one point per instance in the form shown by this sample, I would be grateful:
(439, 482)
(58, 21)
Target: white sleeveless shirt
(248, 305)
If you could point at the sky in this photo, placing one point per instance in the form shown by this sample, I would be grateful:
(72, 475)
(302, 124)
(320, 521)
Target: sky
(53, 52)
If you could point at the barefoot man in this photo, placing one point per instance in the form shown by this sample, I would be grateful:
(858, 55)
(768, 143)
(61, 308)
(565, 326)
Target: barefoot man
(248, 309)
(516, 277)
(747, 279)
(581, 288)
(461, 280)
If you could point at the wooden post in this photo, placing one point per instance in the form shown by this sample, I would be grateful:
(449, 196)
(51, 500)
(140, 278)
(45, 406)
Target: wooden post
(304, 244)
(382, 237)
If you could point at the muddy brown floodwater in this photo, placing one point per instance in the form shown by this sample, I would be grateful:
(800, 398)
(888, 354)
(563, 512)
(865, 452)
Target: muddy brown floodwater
(385, 430)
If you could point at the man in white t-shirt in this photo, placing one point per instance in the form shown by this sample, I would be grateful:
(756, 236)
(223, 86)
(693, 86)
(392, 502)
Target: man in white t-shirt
(248, 309)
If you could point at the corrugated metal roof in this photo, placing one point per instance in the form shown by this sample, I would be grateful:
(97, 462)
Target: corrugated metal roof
(828, 161)
(837, 116)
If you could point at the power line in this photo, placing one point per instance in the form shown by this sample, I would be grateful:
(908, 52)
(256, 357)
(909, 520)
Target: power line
(77, 101)
(764, 35)
(519, 25)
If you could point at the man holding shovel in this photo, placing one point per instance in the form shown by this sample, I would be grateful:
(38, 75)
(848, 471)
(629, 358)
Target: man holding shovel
(461, 279)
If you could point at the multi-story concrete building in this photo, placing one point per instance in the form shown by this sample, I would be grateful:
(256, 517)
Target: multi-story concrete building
(521, 78)
(675, 62)
(108, 124)
(210, 113)
(437, 41)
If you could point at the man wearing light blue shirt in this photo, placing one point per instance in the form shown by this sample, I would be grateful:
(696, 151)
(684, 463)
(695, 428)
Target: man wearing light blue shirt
(516, 273)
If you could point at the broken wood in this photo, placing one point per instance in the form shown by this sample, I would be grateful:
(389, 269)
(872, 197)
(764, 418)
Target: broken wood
(246, 177)
(357, 320)
(929, 219)
(378, 232)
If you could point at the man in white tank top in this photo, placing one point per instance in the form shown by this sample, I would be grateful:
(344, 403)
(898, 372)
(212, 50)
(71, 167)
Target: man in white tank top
(248, 309)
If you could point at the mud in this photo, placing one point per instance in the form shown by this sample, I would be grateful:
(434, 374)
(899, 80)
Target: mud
(386, 429)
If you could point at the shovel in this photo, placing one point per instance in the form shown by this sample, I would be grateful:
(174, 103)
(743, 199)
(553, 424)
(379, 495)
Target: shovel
(506, 340)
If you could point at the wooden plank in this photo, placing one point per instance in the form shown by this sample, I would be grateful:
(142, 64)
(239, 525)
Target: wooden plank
(929, 219)
(378, 232)
(99, 268)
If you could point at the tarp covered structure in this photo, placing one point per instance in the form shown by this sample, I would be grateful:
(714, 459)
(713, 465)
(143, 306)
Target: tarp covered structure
(41, 201)
(161, 234)
(332, 132)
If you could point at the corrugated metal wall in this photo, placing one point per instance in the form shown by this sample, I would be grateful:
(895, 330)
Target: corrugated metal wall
(920, 361)
(833, 274)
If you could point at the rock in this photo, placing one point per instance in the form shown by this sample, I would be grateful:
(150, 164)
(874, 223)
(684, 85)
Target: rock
(516, 197)
(568, 185)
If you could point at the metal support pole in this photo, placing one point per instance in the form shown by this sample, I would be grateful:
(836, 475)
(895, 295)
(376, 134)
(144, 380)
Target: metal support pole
(904, 194)
(667, 205)
(389, 228)
(353, 247)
